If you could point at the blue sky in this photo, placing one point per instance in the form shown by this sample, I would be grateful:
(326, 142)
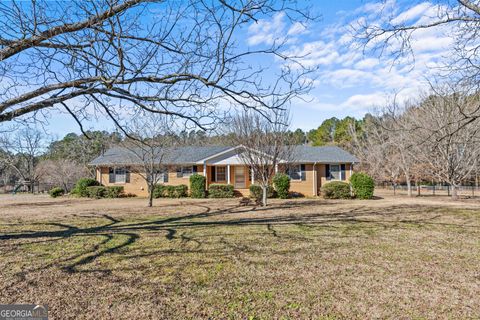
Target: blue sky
(348, 82)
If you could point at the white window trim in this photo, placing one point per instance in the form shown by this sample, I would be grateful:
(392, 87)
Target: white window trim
(299, 171)
(216, 174)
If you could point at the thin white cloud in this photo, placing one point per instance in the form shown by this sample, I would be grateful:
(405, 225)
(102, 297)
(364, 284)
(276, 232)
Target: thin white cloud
(365, 101)
(275, 30)
(356, 78)
(266, 31)
(412, 13)
(367, 63)
(297, 29)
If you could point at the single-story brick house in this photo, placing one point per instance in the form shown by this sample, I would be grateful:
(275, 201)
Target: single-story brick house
(313, 167)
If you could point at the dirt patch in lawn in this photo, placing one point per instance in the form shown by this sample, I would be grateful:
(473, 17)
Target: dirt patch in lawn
(192, 258)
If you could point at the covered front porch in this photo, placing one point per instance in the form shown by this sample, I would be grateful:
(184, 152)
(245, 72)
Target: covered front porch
(237, 175)
(228, 168)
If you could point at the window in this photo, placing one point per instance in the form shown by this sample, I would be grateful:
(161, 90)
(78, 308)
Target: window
(295, 172)
(162, 175)
(187, 171)
(117, 175)
(221, 174)
(120, 175)
(335, 173)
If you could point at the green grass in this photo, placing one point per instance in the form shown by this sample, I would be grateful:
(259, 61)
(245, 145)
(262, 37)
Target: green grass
(286, 262)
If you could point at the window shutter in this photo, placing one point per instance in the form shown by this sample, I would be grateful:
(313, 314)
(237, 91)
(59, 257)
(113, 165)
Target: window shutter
(327, 172)
(111, 175)
(213, 174)
(127, 175)
(249, 173)
(304, 175)
(165, 175)
(194, 169)
(342, 172)
(179, 172)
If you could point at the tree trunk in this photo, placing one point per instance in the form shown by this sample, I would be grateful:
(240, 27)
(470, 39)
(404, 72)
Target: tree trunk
(264, 196)
(454, 192)
(150, 196)
(409, 187)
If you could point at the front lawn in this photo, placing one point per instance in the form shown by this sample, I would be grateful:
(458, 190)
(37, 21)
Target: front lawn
(191, 259)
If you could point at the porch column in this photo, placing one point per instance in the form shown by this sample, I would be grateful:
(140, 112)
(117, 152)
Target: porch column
(276, 168)
(315, 183)
(228, 173)
(253, 176)
(205, 173)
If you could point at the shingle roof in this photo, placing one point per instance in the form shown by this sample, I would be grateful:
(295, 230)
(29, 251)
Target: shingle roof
(325, 154)
(194, 154)
(179, 155)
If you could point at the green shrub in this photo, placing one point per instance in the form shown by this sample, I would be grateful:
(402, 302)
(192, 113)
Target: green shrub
(197, 186)
(180, 191)
(114, 192)
(56, 192)
(159, 191)
(163, 191)
(220, 191)
(362, 185)
(282, 185)
(128, 195)
(257, 193)
(96, 192)
(81, 186)
(336, 190)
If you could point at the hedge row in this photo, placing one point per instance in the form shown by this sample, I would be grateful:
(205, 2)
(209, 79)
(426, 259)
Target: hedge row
(98, 192)
(256, 192)
(221, 191)
(163, 191)
(361, 186)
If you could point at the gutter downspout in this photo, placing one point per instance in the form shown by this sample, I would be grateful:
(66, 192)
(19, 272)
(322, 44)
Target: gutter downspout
(205, 173)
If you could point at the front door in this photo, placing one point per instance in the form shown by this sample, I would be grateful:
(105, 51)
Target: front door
(239, 178)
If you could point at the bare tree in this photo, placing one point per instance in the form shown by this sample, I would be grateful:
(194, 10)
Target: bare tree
(450, 147)
(7, 174)
(61, 172)
(150, 143)
(395, 36)
(402, 141)
(372, 147)
(264, 143)
(21, 150)
(176, 58)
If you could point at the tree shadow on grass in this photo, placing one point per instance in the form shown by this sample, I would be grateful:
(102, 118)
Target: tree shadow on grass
(110, 231)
